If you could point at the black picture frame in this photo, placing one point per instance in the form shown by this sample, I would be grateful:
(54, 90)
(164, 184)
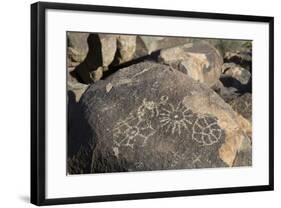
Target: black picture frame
(38, 99)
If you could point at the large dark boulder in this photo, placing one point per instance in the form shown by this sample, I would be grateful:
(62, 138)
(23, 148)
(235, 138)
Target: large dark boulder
(151, 117)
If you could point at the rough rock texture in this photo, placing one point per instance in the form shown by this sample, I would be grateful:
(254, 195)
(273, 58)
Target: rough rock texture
(73, 57)
(150, 117)
(242, 58)
(149, 44)
(79, 139)
(243, 105)
(77, 88)
(244, 155)
(108, 48)
(94, 60)
(78, 43)
(199, 60)
(126, 47)
(104, 50)
(226, 93)
(226, 45)
(237, 72)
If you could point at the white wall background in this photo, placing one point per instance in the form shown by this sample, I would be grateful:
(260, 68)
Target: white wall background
(15, 103)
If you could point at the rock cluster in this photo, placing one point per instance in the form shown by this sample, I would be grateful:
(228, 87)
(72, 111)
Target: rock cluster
(138, 103)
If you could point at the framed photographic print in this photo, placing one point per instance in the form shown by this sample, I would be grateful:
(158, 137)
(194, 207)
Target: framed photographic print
(131, 103)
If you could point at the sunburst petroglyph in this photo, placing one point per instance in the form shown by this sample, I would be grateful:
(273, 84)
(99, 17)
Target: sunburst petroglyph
(174, 118)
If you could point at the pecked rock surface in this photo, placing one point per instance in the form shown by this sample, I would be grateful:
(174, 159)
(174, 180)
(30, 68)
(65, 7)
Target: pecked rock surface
(151, 117)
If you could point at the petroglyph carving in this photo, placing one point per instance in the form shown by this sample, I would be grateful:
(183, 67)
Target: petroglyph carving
(127, 132)
(196, 158)
(139, 165)
(206, 131)
(177, 157)
(165, 116)
(164, 99)
(174, 119)
(147, 110)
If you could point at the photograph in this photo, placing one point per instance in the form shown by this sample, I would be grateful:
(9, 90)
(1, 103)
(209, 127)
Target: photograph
(140, 102)
(124, 98)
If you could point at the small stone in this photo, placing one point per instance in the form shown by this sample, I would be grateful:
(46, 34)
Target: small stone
(97, 74)
(108, 87)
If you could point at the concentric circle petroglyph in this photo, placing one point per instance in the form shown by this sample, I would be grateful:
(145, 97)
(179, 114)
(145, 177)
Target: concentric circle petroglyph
(206, 131)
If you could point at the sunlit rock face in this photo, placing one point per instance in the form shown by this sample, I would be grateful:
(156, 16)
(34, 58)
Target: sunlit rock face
(200, 60)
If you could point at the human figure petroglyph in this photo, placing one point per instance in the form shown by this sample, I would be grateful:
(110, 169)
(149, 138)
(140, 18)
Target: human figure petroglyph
(147, 110)
(127, 132)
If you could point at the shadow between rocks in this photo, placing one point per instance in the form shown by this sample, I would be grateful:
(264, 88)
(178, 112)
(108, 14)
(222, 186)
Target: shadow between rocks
(112, 68)
(80, 139)
(94, 60)
(229, 81)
